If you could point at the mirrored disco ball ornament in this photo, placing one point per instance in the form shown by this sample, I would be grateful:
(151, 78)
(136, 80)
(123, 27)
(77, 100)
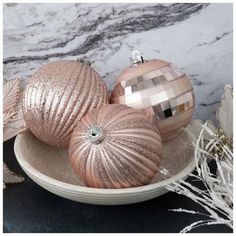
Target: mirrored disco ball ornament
(158, 88)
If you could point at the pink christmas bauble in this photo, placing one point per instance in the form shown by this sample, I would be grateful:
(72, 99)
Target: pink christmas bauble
(161, 90)
(57, 96)
(115, 146)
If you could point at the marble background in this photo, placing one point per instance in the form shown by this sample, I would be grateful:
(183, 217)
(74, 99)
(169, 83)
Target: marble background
(198, 38)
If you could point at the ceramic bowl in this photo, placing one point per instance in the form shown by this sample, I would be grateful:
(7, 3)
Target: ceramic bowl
(49, 167)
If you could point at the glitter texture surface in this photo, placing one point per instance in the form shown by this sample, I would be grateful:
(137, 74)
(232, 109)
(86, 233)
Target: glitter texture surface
(128, 155)
(56, 98)
(161, 90)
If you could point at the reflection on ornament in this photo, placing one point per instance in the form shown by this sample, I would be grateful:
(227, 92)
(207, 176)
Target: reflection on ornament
(160, 89)
(115, 146)
(57, 96)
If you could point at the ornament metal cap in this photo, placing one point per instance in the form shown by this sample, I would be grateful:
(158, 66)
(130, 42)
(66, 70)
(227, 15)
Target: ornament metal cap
(95, 135)
(136, 58)
(84, 60)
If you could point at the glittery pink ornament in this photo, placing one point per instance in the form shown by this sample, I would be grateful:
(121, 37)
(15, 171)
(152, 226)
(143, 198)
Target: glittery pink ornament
(115, 146)
(57, 96)
(158, 88)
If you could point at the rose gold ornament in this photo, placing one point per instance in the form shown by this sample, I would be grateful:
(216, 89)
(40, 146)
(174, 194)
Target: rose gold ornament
(115, 146)
(160, 89)
(57, 96)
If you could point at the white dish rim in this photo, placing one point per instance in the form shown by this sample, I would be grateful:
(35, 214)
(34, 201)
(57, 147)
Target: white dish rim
(98, 191)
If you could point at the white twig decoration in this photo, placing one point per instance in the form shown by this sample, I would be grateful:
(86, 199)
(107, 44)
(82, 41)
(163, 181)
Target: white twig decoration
(217, 198)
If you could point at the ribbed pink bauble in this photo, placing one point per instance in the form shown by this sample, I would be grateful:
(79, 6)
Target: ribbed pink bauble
(161, 90)
(57, 96)
(115, 146)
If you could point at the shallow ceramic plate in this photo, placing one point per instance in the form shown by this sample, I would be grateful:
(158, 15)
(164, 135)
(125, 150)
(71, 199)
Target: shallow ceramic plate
(50, 168)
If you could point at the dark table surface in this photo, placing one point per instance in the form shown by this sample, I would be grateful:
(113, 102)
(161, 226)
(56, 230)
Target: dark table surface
(29, 208)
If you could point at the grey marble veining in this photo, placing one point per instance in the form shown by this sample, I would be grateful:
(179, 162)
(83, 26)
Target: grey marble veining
(196, 37)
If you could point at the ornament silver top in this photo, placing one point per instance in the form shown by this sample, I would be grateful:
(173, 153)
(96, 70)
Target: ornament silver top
(84, 60)
(136, 58)
(95, 135)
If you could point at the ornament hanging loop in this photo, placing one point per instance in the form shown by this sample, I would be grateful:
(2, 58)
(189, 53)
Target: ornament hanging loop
(136, 58)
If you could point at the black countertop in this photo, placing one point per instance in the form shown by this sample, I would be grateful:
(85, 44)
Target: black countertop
(29, 208)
